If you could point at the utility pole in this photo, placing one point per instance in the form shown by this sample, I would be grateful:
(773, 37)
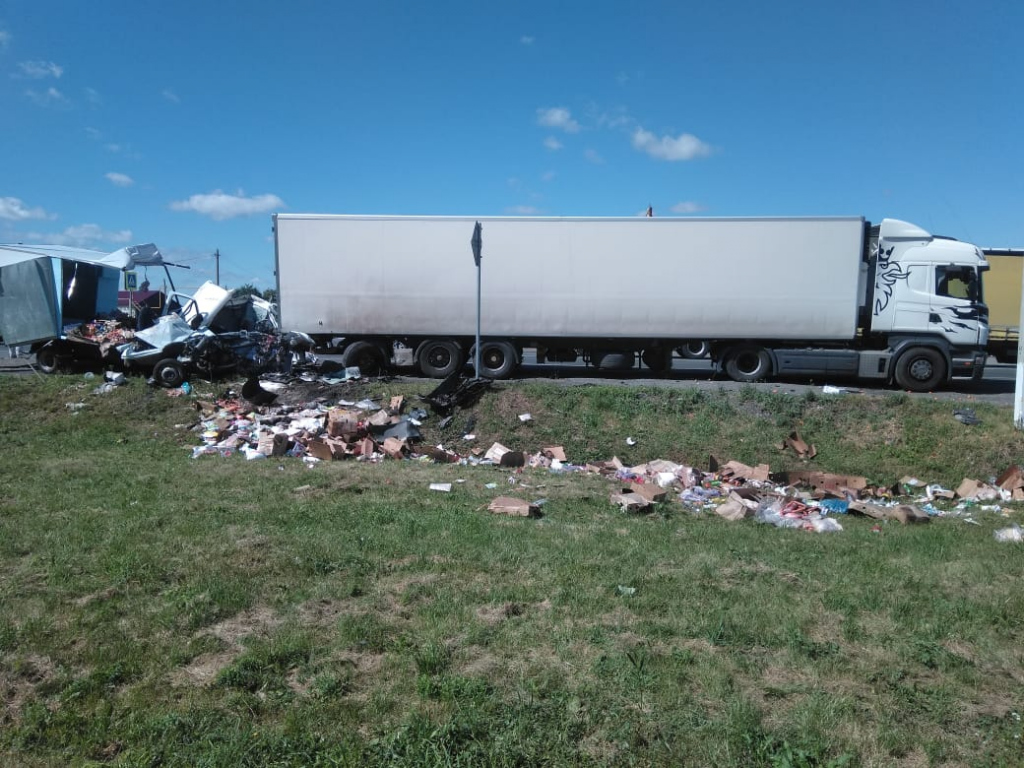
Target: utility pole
(216, 257)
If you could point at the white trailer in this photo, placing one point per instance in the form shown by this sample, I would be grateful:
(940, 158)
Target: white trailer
(830, 295)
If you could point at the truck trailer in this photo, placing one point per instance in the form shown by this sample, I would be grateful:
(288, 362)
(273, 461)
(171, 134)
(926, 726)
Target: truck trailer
(808, 296)
(1002, 286)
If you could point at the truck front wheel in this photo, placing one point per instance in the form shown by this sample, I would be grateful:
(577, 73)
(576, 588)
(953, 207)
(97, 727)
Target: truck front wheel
(748, 363)
(920, 369)
(439, 358)
(169, 373)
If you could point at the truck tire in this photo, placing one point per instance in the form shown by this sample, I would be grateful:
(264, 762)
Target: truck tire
(498, 359)
(658, 359)
(367, 357)
(439, 358)
(169, 373)
(920, 369)
(46, 359)
(694, 350)
(748, 363)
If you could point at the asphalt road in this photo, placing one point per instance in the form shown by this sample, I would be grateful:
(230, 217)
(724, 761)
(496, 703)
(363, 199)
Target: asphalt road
(997, 387)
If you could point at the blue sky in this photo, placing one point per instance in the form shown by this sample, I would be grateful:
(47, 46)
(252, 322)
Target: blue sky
(189, 124)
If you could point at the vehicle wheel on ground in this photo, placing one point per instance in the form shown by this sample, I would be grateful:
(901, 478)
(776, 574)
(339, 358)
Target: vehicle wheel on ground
(46, 360)
(748, 363)
(920, 369)
(169, 373)
(694, 350)
(365, 356)
(658, 359)
(498, 359)
(439, 358)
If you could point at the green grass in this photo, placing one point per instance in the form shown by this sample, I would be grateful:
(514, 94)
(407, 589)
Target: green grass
(160, 610)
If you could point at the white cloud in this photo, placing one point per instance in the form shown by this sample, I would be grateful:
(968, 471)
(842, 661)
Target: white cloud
(84, 235)
(93, 133)
(170, 95)
(552, 143)
(557, 117)
(592, 156)
(5, 38)
(522, 210)
(685, 146)
(39, 70)
(93, 97)
(119, 179)
(13, 209)
(219, 205)
(51, 97)
(547, 176)
(687, 206)
(526, 39)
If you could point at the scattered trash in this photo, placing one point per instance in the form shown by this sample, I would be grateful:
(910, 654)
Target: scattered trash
(802, 449)
(966, 416)
(525, 417)
(828, 389)
(630, 441)
(507, 505)
(74, 407)
(626, 591)
(630, 502)
(443, 487)
(1013, 533)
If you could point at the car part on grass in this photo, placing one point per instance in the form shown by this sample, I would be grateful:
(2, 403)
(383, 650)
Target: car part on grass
(456, 391)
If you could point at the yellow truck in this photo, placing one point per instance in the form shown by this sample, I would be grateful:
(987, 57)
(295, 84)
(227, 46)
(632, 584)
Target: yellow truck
(1002, 285)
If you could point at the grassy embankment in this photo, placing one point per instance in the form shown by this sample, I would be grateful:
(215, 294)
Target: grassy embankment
(156, 609)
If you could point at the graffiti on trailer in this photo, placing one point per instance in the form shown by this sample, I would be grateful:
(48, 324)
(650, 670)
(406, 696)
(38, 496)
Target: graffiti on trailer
(886, 275)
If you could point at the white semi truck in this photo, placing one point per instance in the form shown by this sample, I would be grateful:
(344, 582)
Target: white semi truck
(831, 296)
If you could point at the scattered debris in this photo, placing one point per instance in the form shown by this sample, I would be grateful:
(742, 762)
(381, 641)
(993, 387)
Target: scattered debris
(1013, 533)
(802, 449)
(508, 505)
(444, 487)
(966, 416)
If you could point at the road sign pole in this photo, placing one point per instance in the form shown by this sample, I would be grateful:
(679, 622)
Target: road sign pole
(477, 243)
(1018, 392)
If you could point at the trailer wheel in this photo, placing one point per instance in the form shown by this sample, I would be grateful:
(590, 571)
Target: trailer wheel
(46, 359)
(694, 350)
(920, 369)
(658, 359)
(439, 359)
(365, 356)
(169, 373)
(748, 363)
(498, 359)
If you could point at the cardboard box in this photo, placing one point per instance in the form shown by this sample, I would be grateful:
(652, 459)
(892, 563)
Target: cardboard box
(508, 505)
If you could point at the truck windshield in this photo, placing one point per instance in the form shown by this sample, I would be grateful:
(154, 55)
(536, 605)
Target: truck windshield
(958, 282)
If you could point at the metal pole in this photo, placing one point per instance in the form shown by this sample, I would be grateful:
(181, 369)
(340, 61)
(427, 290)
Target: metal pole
(1018, 392)
(216, 256)
(476, 356)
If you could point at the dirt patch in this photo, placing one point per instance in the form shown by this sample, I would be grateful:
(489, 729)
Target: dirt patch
(324, 611)
(18, 683)
(95, 597)
(203, 670)
(495, 614)
(254, 622)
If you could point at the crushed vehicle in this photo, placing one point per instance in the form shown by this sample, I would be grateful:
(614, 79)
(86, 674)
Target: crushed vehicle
(213, 332)
(62, 301)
